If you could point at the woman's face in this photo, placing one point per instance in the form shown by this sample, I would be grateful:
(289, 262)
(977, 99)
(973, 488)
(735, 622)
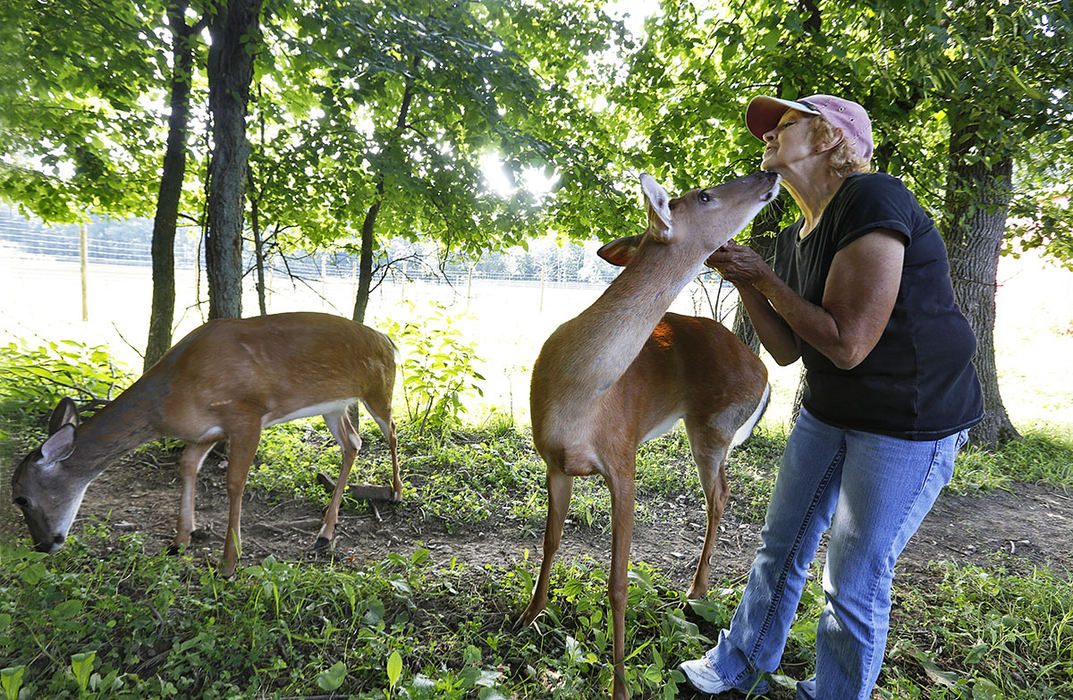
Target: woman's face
(788, 143)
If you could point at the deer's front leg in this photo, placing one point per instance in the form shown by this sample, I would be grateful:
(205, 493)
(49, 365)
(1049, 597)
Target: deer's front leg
(560, 486)
(622, 507)
(189, 465)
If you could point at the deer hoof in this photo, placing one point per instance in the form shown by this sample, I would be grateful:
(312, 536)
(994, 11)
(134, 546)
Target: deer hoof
(321, 544)
(527, 618)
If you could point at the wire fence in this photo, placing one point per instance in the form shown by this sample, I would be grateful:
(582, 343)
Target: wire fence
(129, 244)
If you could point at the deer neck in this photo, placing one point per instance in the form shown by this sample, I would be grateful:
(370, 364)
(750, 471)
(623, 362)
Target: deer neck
(115, 430)
(609, 334)
(647, 286)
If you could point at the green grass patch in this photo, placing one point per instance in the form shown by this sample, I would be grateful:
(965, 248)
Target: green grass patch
(982, 633)
(406, 627)
(1043, 455)
(492, 471)
(100, 618)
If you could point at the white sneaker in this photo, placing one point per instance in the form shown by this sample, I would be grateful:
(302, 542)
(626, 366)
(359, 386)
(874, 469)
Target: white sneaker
(706, 679)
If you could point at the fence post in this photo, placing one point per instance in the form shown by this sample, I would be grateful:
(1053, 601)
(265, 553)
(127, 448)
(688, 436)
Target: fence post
(83, 264)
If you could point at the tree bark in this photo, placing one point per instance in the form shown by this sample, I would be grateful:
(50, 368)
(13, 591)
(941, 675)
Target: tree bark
(977, 199)
(162, 312)
(235, 34)
(258, 246)
(365, 261)
(368, 226)
(762, 240)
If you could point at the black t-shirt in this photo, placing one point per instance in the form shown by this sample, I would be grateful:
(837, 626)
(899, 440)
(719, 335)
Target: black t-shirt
(918, 383)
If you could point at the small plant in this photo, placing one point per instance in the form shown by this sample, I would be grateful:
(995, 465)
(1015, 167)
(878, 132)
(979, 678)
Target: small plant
(394, 670)
(11, 681)
(1043, 455)
(82, 667)
(438, 369)
(332, 678)
(34, 379)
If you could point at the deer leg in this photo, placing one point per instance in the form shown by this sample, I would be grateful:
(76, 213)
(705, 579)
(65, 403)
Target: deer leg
(710, 453)
(560, 486)
(240, 458)
(349, 442)
(189, 466)
(380, 409)
(622, 508)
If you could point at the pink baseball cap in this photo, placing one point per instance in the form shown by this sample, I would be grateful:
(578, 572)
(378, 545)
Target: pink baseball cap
(763, 114)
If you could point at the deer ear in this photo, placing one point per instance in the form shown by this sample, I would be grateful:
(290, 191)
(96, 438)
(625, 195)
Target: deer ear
(59, 445)
(659, 205)
(620, 252)
(65, 413)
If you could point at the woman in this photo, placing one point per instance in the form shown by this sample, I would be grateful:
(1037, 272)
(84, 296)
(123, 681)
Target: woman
(861, 292)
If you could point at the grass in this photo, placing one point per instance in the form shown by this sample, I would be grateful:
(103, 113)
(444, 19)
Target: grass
(492, 471)
(101, 618)
(164, 627)
(1044, 455)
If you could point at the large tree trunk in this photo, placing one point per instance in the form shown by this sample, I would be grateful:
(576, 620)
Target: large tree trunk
(162, 313)
(762, 240)
(977, 198)
(235, 37)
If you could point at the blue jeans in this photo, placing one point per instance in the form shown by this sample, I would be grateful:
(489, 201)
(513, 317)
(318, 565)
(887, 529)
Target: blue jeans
(873, 491)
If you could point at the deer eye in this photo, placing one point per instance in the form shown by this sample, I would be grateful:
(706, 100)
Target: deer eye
(703, 196)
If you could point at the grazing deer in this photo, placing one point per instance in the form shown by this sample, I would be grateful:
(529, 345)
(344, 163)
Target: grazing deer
(227, 379)
(624, 372)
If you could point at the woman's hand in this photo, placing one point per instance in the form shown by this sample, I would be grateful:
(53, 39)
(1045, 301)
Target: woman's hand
(738, 264)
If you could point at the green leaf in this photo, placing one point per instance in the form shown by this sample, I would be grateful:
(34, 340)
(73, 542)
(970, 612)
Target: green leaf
(332, 678)
(82, 665)
(983, 689)
(937, 675)
(67, 609)
(11, 681)
(394, 668)
(374, 612)
(976, 654)
(33, 573)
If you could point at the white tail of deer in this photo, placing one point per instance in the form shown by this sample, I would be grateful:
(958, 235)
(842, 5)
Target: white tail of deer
(623, 372)
(227, 379)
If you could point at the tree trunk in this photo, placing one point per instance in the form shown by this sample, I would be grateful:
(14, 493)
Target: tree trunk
(258, 244)
(368, 226)
(977, 198)
(762, 240)
(235, 36)
(162, 313)
(365, 262)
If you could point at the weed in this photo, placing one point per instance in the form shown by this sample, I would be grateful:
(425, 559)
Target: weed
(1043, 455)
(34, 379)
(438, 369)
(983, 633)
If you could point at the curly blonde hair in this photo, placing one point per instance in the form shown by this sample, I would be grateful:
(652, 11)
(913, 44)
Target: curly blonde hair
(844, 160)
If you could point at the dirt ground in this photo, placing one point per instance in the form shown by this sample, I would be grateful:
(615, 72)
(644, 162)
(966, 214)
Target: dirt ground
(1024, 527)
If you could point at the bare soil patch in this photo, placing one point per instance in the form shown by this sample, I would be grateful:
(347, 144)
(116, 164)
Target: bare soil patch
(1027, 526)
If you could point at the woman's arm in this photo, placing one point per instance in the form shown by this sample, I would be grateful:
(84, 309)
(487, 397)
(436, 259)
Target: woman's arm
(862, 286)
(778, 338)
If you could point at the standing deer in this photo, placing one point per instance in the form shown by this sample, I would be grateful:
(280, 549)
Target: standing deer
(227, 379)
(622, 372)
